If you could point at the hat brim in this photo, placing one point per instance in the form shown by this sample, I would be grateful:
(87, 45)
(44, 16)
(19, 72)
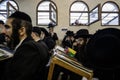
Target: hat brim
(83, 36)
(50, 26)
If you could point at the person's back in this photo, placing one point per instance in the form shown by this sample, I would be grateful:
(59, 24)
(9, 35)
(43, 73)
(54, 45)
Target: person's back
(47, 39)
(36, 35)
(29, 61)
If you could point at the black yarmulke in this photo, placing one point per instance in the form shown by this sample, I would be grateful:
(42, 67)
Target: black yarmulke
(21, 15)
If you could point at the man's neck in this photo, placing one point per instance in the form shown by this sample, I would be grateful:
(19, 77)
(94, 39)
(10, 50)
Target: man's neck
(22, 38)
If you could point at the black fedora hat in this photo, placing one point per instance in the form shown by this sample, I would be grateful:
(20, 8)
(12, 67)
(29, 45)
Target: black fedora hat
(70, 33)
(82, 33)
(51, 25)
(44, 31)
(36, 30)
(103, 49)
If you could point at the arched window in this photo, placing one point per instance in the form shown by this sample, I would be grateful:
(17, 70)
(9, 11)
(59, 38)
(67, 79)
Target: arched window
(110, 13)
(79, 13)
(7, 7)
(46, 13)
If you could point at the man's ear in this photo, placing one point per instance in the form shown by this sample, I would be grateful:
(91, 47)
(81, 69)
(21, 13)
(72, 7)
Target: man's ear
(22, 31)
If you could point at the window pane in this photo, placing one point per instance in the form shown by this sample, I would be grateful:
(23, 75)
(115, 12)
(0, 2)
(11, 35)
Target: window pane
(79, 6)
(3, 5)
(3, 17)
(53, 15)
(43, 18)
(110, 7)
(81, 17)
(14, 4)
(43, 21)
(84, 18)
(94, 15)
(74, 16)
(44, 6)
(110, 19)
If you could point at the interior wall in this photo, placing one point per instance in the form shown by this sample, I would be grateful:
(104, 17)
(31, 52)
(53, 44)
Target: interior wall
(29, 6)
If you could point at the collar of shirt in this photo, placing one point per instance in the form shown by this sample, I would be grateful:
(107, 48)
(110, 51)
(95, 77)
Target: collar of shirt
(19, 44)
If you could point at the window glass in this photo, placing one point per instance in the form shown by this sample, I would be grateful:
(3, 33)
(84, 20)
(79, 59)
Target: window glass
(110, 14)
(94, 14)
(110, 7)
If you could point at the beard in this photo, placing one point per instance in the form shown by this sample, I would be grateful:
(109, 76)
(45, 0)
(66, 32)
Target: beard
(14, 40)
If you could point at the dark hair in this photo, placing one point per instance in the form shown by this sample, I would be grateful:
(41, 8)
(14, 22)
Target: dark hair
(21, 19)
(21, 15)
(37, 30)
(18, 23)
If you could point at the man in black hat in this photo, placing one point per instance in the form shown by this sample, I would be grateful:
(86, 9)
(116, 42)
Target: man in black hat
(81, 38)
(30, 57)
(68, 39)
(52, 33)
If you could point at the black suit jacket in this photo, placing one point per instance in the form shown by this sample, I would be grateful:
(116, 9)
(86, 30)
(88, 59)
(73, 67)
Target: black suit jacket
(28, 62)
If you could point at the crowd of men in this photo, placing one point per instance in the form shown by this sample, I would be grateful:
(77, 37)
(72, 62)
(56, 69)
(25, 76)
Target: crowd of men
(32, 47)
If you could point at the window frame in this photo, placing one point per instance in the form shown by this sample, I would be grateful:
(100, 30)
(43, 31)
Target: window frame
(8, 7)
(87, 12)
(98, 6)
(7, 11)
(117, 12)
(37, 11)
(52, 7)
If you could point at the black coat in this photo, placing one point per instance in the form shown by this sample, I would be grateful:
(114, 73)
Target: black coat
(28, 62)
(54, 36)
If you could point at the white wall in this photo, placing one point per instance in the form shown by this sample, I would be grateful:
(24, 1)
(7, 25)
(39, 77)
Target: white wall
(29, 6)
